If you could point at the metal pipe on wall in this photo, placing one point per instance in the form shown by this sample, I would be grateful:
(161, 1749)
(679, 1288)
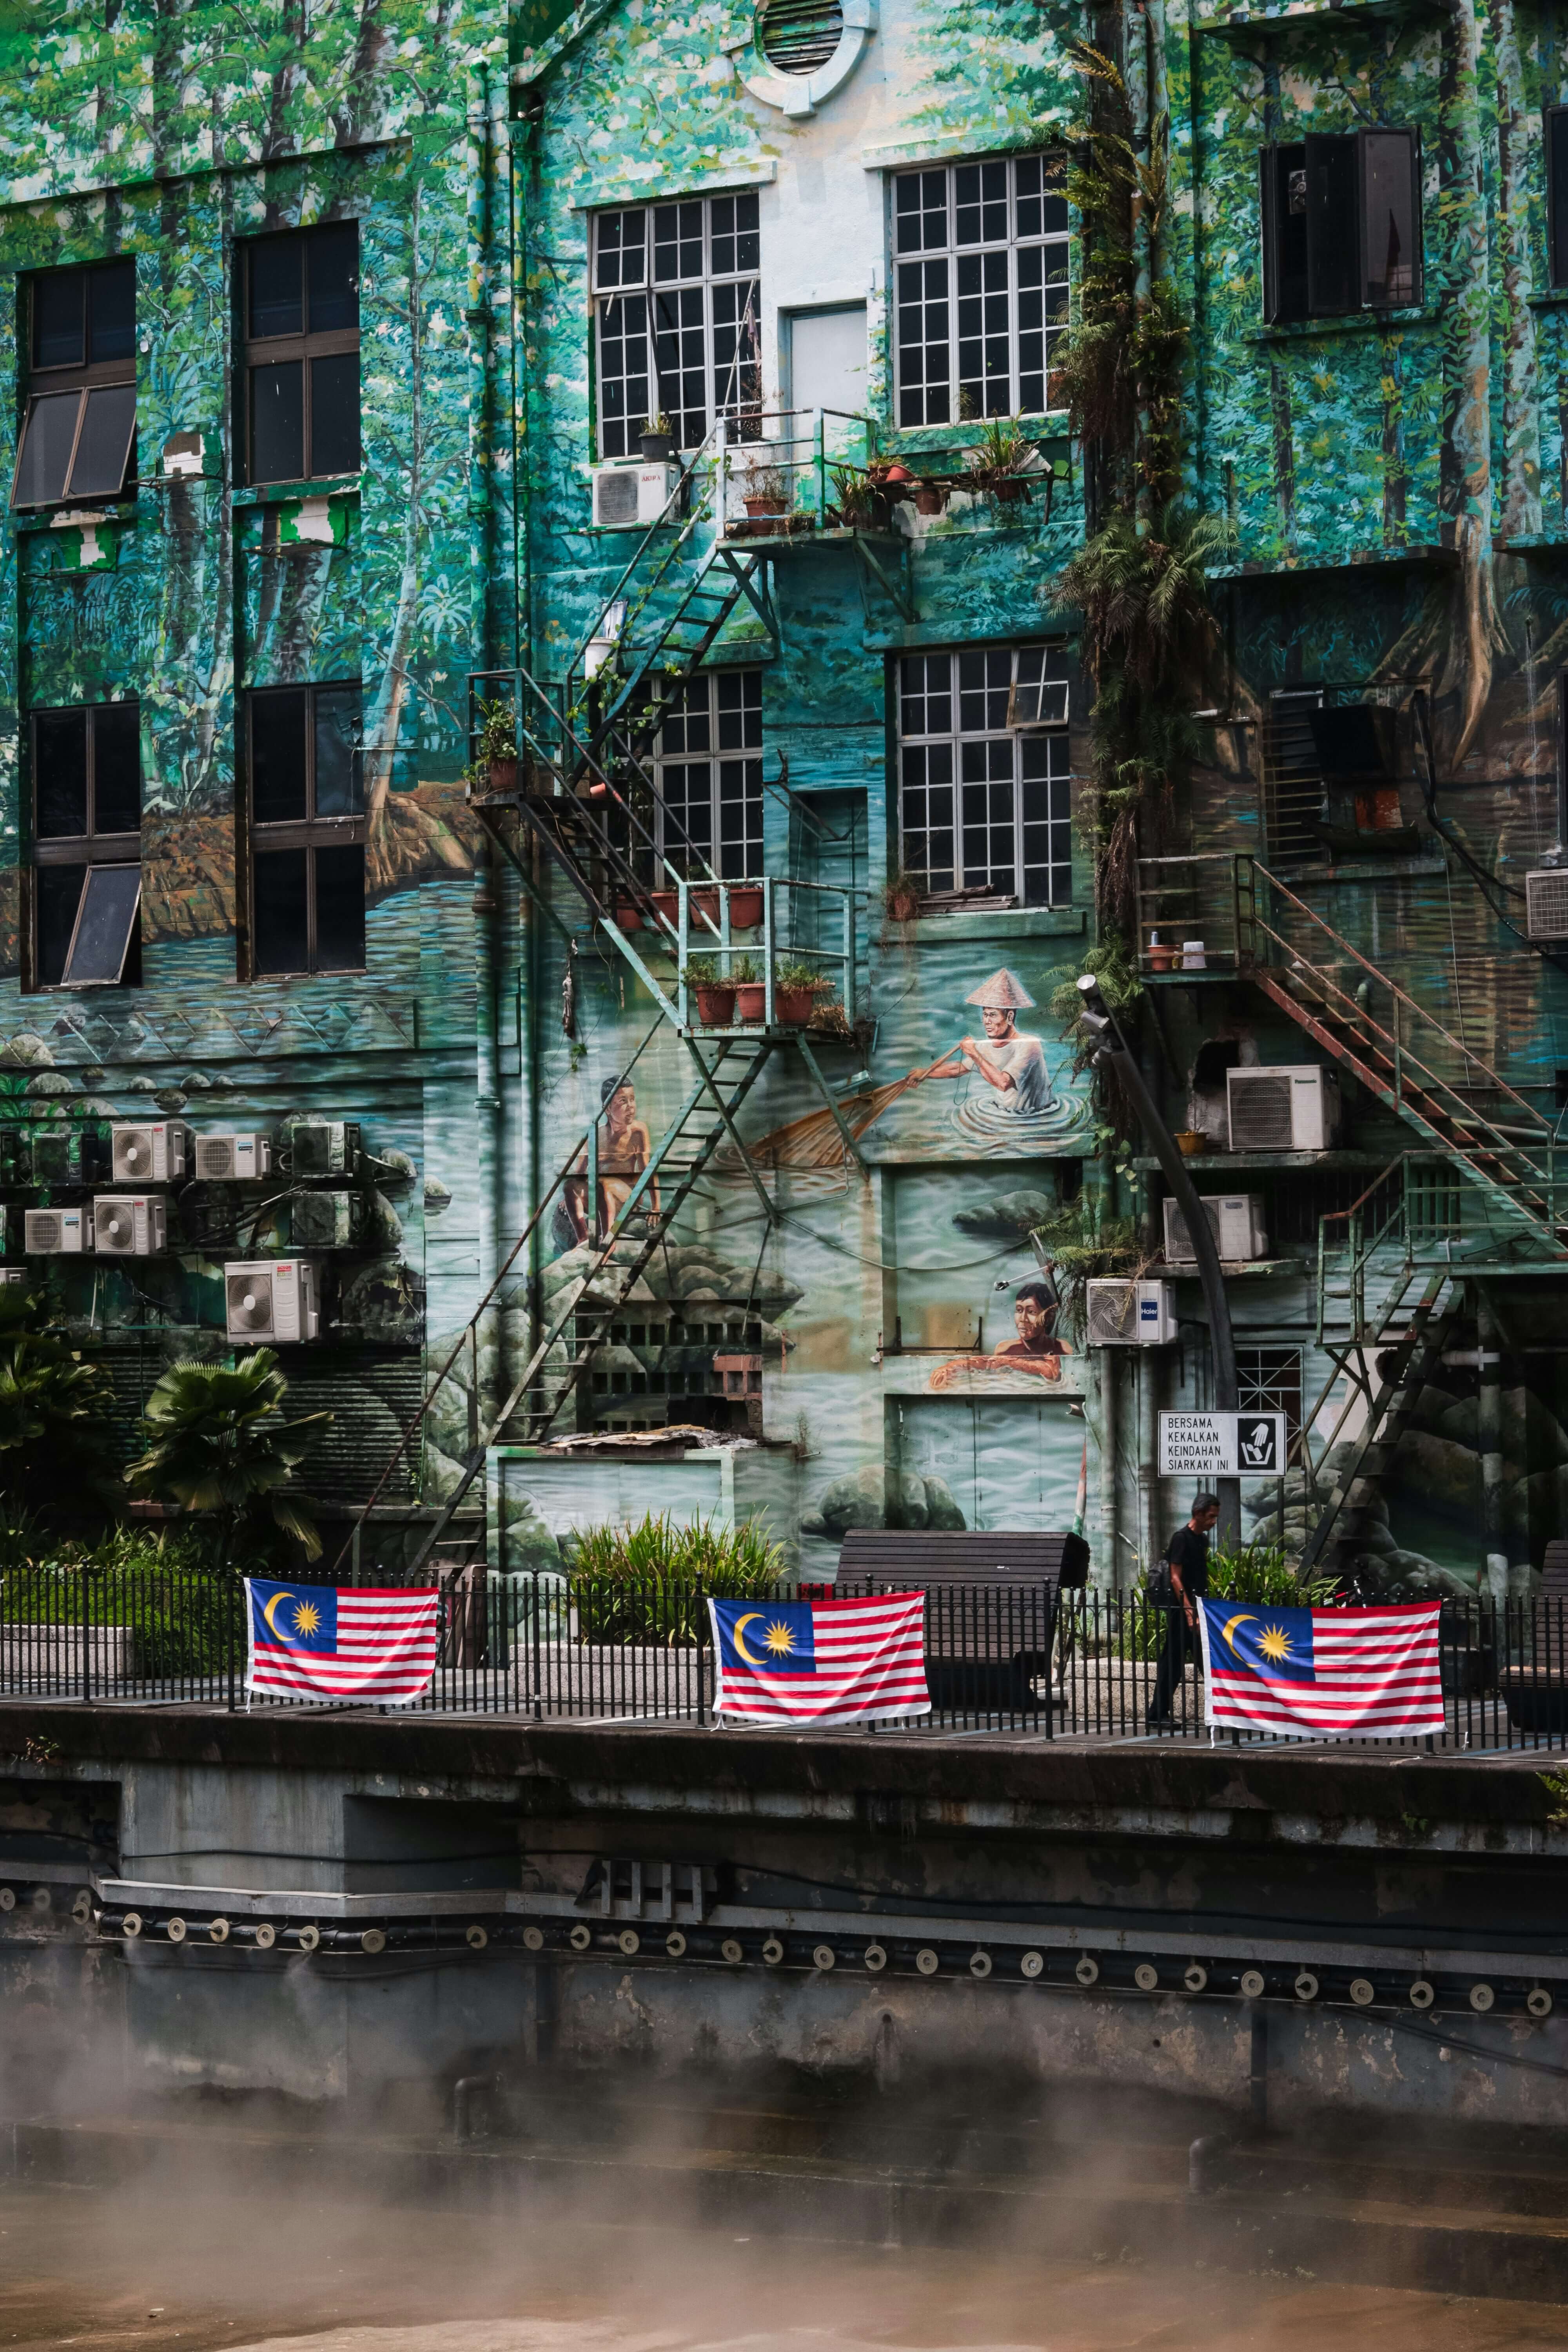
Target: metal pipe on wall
(1489, 1441)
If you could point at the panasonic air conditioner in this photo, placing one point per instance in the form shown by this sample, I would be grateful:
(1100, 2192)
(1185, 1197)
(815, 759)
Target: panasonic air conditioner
(1293, 1108)
(57, 1233)
(631, 496)
(232, 1158)
(275, 1300)
(1130, 1313)
(157, 1153)
(1546, 903)
(1235, 1221)
(321, 1147)
(128, 1224)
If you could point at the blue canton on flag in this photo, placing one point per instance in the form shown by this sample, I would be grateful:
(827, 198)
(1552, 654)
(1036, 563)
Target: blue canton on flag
(326, 1641)
(1275, 1644)
(777, 1640)
(294, 1617)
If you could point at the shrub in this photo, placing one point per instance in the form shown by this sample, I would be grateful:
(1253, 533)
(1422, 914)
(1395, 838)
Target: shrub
(222, 1449)
(52, 1410)
(651, 1584)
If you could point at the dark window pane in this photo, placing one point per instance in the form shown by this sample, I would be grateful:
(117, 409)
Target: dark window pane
(104, 926)
(112, 311)
(47, 448)
(117, 768)
(1557, 179)
(102, 452)
(60, 889)
(59, 334)
(1392, 224)
(59, 773)
(334, 414)
(332, 260)
(279, 899)
(277, 291)
(278, 757)
(339, 909)
(337, 759)
(1332, 243)
(278, 422)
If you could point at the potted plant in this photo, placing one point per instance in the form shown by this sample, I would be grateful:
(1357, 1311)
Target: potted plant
(715, 994)
(745, 906)
(930, 494)
(629, 918)
(658, 438)
(766, 492)
(860, 503)
(998, 462)
(496, 751)
(796, 987)
(751, 990)
(901, 895)
(1161, 954)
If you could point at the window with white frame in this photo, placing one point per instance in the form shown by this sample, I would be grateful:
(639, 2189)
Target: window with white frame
(985, 792)
(708, 775)
(677, 310)
(1268, 1380)
(980, 262)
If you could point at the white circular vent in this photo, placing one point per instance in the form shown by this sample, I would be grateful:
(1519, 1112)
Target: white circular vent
(797, 37)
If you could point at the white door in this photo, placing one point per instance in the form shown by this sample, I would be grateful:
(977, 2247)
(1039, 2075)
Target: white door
(827, 360)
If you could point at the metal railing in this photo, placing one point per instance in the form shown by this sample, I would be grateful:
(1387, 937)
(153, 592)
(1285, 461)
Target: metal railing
(791, 473)
(1010, 1660)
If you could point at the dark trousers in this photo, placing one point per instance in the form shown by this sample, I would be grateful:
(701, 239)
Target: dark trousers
(1181, 1644)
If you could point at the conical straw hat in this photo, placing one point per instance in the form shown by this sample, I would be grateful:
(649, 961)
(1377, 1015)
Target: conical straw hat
(1004, 992)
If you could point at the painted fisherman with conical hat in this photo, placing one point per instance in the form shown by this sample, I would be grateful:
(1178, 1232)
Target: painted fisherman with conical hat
(1014, 1064)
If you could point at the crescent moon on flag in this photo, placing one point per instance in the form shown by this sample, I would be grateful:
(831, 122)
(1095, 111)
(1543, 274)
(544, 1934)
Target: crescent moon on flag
(1241, 1618)
(737, 1635)
(271, 1624)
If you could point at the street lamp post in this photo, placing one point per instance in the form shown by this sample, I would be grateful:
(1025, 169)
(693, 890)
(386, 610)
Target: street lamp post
(1111, 1052)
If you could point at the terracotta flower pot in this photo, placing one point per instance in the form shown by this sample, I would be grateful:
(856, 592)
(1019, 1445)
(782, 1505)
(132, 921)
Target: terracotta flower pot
(715, 1003)
(745, 910)
(930, 498)
(1160, 957)
(667, 907)
(704, 905)
(751, 1001)
(794, 1005)
(759, 508)
(896, 473)
(629, 918)
(501, 775)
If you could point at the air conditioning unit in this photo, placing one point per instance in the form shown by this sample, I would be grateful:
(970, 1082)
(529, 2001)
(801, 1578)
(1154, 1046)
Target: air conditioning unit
(276, 1300)
(318, 1147)
(1235, 1221)
(69, 1155)
(57, 1233)
(1130, 1314)
(129, 1224)
(1293, 1108)
(16, 1155)
(630, 497)
(326, 1220)
(1546, 903)
(157, 1153)
(232, 1158)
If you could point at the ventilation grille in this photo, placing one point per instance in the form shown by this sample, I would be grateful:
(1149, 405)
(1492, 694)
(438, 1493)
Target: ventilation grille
(1546, 904)
(373, 1394)
(43, 1230)
(615, 496)
(214, 1156)
(250, 1302)
(1259, 1113)
(132, 1154)
(799, 35)
(1111, 1308)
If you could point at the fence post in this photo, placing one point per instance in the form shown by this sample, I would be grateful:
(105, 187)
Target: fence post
(701, 1654)
(234, 1631)
(86, 1642)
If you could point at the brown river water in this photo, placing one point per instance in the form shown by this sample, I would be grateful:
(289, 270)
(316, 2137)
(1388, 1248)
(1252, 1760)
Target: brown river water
(147, 2272)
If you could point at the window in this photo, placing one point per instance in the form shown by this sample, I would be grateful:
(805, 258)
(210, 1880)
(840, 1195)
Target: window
(80, 421)
(985, 805)
(87, 845)
(1341, 225)
(307, 829)
(1557, 190)
(981, 272)
(707, 774)
(300, 296)
(679, 307)
(1268, 1380)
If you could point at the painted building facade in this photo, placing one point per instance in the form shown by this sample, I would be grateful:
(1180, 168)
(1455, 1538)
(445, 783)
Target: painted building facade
(395, 292)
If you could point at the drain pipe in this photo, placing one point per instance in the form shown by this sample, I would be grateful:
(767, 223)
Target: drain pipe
(1110, 1051)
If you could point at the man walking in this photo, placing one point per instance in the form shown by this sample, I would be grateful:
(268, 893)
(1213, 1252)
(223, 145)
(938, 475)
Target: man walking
(1186, 1579)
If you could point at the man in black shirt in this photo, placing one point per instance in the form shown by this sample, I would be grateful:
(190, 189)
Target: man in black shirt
(1186, 1576)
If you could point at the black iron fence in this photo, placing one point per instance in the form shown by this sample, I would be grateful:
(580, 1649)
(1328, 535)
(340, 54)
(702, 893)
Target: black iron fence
(1019, 1660)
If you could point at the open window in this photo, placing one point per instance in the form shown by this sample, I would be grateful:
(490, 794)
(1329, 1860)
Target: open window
(307, 829)
(78, 424)
(1341, 225)
(300, 306)
(1557, 191)
(1039, 696)
(87, 846)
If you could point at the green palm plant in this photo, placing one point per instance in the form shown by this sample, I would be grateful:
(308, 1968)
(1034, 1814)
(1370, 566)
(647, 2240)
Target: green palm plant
(51, 1411)
(222, 1448)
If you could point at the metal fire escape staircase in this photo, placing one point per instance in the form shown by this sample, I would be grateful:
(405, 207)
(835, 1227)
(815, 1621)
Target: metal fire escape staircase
(583, 794)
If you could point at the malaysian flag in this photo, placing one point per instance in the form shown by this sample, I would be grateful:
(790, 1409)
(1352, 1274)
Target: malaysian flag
(821, 1662)
(312, 1640)
(1344, 1673)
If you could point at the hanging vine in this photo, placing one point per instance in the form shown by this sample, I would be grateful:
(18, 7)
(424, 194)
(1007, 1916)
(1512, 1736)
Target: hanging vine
(1139, 578)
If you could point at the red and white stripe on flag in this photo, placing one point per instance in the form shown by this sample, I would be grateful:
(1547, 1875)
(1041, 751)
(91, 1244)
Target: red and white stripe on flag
(868, 1665)
(1376, 1673)
(384, 1651)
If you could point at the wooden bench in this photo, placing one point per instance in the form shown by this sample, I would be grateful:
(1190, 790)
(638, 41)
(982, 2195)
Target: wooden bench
(993, 1606)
